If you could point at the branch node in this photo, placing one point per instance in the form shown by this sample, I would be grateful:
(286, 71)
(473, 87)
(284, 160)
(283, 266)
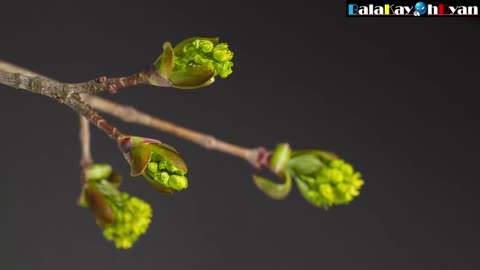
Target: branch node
(209, 141)
(18, 80)
(112, 89)
(261, 158)
(37, 85)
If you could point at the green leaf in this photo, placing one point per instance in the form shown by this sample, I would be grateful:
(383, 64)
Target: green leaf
(280, 157)
(157, 186)
(274, 190)
(323, 155)
(106, 188)
(139, 158)
(164, 64)
(193, 77)
(305, 164)
(98, 171)
(307, 193)
(98, 205)
(169, 154)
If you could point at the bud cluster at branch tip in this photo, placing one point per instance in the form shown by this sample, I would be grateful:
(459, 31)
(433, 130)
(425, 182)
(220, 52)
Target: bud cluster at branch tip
(193, 63)
(322, 178)
(122, 217)
(160, 164)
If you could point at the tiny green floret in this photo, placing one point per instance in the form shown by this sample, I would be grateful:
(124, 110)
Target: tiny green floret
(202, 52)
(191, 64)
(122, 217)
(166, 174)
(156, 162)
(132, 218)
(325, 181)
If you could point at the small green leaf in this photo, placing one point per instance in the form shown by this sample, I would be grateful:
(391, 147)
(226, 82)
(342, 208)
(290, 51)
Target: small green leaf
(323, 155)
(274, 190)
(164, 64)
(280, 157)
(106, 188)
(157, 186)
(140, 157)
(169, 154)
(98, 171)
(307, 193)
(193, 77)
(98, 204)
(305, 164)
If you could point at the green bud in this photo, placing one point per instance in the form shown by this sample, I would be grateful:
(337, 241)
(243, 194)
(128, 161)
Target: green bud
(224, 69)
(192, 64)
(132, 218)
(153, 167)
(326, 191)
(323, 179)
(95, 173)
(203, 45)
(177, 182)
(159, 163)
(123, 218)
(98, 171)
(221, 53)
(164, 177)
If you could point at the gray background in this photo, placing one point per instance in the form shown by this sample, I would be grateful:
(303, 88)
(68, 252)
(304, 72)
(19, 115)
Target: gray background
(395, 96)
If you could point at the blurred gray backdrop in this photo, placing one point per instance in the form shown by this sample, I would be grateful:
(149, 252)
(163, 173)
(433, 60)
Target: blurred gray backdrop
(394, 96)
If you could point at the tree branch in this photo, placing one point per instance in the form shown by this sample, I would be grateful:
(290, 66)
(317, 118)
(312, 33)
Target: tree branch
(257, 157)
(56, 90)
(254, 156)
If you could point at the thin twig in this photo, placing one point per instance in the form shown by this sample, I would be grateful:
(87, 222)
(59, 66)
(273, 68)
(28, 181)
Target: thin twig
(86, 156)
(130, 114)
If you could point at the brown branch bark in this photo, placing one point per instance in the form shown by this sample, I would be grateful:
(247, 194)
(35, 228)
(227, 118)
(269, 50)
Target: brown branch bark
(258, 157)
(59, 91)
(130, 114)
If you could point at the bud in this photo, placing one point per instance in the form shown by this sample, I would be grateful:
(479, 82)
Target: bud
(132, 218)
(98, 171)
(160, 164)
(221, 53)
(323, 179)
(193, 63)
(123, 218)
